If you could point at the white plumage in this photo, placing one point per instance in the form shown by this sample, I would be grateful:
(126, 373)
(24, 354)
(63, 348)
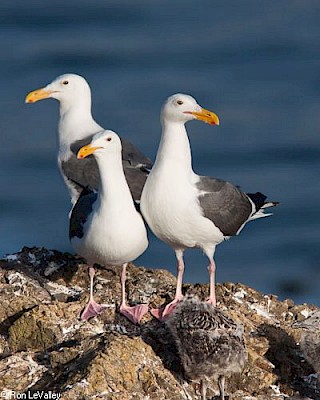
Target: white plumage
(105, 228)
(186, 210)
(76, 129)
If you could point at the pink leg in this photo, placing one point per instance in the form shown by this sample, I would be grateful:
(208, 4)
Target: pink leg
(162, 313)
(212, 274)
(134, 314)
(92, 309)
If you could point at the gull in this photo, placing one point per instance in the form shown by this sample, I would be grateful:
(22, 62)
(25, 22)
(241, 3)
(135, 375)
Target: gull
(186, 210)
(76, 129)
(210, 345)
(105, 227)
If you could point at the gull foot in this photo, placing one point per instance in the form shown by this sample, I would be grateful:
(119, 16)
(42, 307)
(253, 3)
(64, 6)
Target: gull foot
(92, 310)
(135, 313)
(163, 313)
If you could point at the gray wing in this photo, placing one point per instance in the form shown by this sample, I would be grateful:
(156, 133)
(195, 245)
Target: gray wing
(136, 178)
(81, 212)
(224, 204)
(85, 174)
(132, 156)
(81, 173)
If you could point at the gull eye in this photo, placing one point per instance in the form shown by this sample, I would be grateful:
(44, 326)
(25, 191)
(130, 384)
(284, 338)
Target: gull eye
(179, 102)
(65, 82)
(109, 139)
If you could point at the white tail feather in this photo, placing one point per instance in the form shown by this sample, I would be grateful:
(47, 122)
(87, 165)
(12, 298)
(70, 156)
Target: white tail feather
(269, 204)
(259, 214)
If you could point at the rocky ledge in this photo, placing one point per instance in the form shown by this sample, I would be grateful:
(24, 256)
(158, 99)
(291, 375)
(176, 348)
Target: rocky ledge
(44, 345)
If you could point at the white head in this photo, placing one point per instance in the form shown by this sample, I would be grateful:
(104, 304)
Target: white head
(67, 88)
(102, 143)
(183, 108)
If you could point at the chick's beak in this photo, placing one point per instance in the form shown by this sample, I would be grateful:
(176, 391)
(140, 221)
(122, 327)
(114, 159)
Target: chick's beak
(206, 116)
(37, 95)
(86, 151)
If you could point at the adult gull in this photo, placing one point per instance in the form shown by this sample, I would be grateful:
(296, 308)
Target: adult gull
(76, 128)
(105, 227)
(186, 210)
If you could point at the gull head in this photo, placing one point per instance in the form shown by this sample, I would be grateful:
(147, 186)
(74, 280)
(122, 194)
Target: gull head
(67, 88)
(104, 142)
(181, 108)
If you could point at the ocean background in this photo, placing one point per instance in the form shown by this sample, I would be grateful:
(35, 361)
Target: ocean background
(255, 63)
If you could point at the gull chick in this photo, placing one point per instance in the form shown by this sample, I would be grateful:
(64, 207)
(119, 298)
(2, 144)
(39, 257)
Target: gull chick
(210, 344)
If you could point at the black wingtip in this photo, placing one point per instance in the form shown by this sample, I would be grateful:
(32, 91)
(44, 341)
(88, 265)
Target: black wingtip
(259, 200)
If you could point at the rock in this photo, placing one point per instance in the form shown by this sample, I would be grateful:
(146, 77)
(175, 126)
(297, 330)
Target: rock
(45, 346)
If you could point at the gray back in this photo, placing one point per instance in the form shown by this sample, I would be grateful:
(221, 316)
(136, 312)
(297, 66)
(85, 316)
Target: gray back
(224, 204)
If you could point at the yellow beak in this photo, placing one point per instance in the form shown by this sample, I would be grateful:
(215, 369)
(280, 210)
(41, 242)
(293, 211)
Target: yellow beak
(86, 151)
(206, 116)
(37, 95)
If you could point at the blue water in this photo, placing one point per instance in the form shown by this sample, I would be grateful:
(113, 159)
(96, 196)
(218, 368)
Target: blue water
(255, 63)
